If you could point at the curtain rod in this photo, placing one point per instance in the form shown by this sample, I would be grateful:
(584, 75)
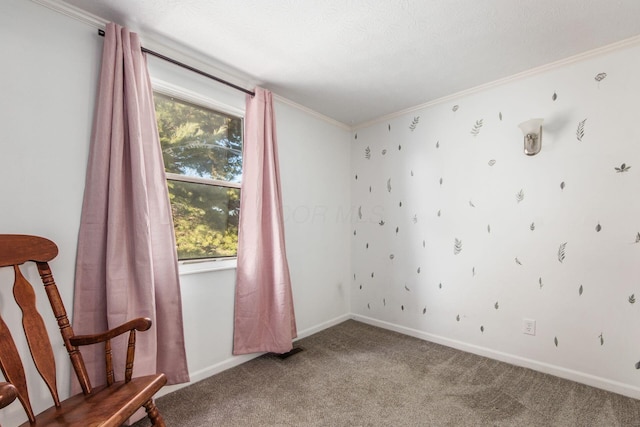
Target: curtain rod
(190, 68)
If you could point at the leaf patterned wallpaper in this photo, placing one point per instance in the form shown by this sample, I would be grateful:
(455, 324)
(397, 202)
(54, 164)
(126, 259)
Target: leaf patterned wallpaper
(460, 235)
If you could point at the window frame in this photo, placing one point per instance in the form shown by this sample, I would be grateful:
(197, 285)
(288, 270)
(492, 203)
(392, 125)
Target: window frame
(192, 266)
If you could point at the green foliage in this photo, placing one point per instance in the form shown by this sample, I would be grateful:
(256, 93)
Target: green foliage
(197, 142)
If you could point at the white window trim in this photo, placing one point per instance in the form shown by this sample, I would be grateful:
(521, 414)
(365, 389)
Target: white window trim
(186, 268)
(207, 181)
(207, 265)
(195, 98)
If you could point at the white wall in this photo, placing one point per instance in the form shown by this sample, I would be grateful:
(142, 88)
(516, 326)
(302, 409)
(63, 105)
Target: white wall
(435, 183)
(48, 84)
(315, 167)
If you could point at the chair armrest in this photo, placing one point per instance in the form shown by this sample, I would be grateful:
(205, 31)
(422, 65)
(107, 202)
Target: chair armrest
(139, 324)
(8, 394)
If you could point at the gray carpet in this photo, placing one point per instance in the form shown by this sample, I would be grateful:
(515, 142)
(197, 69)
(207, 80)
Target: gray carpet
(354, 374)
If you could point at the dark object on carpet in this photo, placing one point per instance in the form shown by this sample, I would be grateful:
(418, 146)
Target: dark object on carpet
(355, 374)
(294, 350)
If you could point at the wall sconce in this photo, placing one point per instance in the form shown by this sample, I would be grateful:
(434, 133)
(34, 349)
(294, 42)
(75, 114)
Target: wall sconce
(532, 130)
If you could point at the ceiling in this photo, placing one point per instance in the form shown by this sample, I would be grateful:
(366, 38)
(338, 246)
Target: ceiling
(358, 60)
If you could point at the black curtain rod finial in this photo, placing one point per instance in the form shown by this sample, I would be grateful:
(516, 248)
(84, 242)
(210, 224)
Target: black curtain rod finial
(190, 68)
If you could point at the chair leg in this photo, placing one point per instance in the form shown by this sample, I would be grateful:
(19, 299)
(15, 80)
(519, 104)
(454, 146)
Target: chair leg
(154, 414)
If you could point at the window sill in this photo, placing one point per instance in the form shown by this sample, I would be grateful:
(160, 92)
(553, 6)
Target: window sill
(206, 266)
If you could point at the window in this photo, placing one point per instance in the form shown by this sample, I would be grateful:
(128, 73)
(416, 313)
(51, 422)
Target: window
(202, 151)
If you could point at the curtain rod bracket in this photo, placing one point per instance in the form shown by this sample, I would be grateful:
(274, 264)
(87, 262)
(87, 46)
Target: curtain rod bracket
(190, 68)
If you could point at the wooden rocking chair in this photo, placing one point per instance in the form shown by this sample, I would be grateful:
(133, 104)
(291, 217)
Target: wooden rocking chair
(108, 405)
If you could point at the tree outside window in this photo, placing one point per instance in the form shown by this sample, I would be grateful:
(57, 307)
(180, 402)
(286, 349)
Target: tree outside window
(202, 151)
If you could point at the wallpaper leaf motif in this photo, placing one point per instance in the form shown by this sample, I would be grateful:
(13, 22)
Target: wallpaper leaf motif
(580, 130)
(408, 243)
(457, 246)
(414, 123)
(623, 168)
(476, 127)
(561, 251)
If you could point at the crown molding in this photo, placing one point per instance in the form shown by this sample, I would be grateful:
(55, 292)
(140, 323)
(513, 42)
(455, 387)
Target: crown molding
(313, 113)
(173, 50)
(73, 12)
(509, 79)
(180, 53)
(195, 59)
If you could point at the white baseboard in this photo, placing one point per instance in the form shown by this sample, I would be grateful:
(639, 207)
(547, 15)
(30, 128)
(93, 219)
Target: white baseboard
(210, 371)
(234, 361)
(322, 326)
(569, 374)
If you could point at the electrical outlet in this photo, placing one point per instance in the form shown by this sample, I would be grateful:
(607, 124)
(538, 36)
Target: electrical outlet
(528, 326)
